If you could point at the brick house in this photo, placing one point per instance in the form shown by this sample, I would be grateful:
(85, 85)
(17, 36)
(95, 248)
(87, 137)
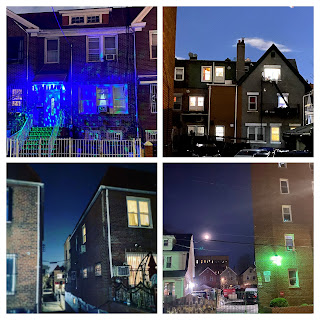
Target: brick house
(179, 266)
(58, 280)
(91, 72)
(207, 278)
(24, 239)
(248, 278)
(283, 230)
(113, 246)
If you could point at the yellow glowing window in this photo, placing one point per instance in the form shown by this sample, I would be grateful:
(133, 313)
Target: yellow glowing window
(139, 212)
(219, 71)
(84, 234)
(206, 73)
(275, 134)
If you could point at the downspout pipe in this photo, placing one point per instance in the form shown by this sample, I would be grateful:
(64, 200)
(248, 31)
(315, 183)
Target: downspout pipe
(209, 112)
(135, 81)
(71, 76)
(235, 114)
(109, 230)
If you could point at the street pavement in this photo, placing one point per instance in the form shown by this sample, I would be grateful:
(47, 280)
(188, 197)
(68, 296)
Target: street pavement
(50, 304)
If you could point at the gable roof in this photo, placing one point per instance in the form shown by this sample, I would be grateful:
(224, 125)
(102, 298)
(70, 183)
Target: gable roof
(250, 267)
(22, 172)
(287, 62)
(205, 270)
(21, 20)
(227, 269)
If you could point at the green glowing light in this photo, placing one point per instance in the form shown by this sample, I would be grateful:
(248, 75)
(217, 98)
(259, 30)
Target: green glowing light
(276, 260)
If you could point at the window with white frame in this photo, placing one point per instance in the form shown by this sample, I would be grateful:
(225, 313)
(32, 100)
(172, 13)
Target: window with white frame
(51, 51)
(139, 212)
(177, 102)
(85, 273)
(94, 53)
(220, 133)
(112, 135)
(153, 44)
(206, 73)
(219, 74)
(165, 242)
(101, 48)
(178, 73)
(77, 20)
(286, 213)
(252, 102)
(120, 99)
(283, 100)
(110, 48)
(293, 278)
(284, 186)
(196, 130)
(151, 135)
(16, 97)
(93, 19)
(84, 234)
(153, 97)
(169, 262)
(196, 103)
(256, 134)
(289, 242)
(272, 72)
(274, 134)
(11, 274)
(97, 270)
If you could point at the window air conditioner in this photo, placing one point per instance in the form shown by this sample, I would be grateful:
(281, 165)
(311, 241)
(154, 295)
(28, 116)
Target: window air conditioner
(121, 271)
(110, 57)
(83, 248)
(103, 109)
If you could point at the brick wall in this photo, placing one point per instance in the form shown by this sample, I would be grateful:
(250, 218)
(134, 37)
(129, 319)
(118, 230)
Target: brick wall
(22, 240)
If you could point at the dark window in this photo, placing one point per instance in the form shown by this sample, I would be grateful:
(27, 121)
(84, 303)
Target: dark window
(15, 50)
(9, 204)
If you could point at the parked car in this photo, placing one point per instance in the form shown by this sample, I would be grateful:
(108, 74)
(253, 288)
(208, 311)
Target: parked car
(251, 296)
(253, 153)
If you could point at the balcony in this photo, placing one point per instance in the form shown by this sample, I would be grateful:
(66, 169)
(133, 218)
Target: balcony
(271, 109)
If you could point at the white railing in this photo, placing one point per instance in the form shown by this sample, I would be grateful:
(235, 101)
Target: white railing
(151, 135)
(55, 132)
(68, 147)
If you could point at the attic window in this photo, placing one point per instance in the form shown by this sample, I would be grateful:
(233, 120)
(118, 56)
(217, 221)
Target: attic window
(93, 19)
(76, 20)
(272, 73)
(273, 54)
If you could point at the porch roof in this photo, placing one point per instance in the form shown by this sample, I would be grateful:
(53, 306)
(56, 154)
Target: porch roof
(50, 77)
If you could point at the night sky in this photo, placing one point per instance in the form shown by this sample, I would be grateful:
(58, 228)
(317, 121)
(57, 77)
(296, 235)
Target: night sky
(213, 32)
(213, 199)
(68, 188)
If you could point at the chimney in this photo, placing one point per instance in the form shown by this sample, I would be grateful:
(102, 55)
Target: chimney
(240, 70)
(193, 56)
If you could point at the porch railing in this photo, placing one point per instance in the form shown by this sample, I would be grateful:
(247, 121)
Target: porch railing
(55, 132)
(68, 147)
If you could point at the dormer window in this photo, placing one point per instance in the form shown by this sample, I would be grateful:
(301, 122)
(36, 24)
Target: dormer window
(76, 20)
(219, 74)
(272, 73)
(206, 74)
(93, 19)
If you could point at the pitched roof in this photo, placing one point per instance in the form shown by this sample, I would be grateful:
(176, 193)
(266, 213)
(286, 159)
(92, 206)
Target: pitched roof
(206, 269)
(22, 171)
(182, 242)
(227, 269)
(288, 62)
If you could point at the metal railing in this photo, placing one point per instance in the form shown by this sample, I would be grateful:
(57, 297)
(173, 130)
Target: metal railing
(55, 131)
(68, 147)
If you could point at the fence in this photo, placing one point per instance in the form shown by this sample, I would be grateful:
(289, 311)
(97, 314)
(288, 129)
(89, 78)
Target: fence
(68, 147)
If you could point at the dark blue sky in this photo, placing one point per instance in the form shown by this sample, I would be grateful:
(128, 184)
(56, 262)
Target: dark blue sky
(212, 32)
(213, 199)
(68, 189)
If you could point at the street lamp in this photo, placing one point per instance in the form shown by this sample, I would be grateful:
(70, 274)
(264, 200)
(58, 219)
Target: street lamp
(206, 236)
(276, 260)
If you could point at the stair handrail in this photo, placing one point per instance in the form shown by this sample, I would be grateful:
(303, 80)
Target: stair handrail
(55, 132)
(21, 136)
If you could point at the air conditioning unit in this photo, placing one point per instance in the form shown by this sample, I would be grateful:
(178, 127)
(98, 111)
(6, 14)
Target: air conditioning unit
(110, 57)
(103, 109)
(83, 248)
(121, 271)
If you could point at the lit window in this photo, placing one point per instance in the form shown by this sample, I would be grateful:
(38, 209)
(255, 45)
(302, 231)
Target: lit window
(151, 135)
(177, 102)
(85, 273)
(219, 74)
(76, 20)
(178, 73)
(195, 130)
(272, 73)
(220, 133)
(153, 44)
(206, 74)
(275, 134)
(196, 103)
(139, 212)
(51, 50)
(267, 276)
(120, 99)
(16, 97)
(168, 262)
(93, 52)
(283, 100)
(11, 274)
(284, 186)
(84, 234)
(97, 270)
(286, 213)
(252, 103)
(293, 278)
(169, 289)
(256, 133)
(59, 276)
(153, 97)
(289, 242)
(110, 48)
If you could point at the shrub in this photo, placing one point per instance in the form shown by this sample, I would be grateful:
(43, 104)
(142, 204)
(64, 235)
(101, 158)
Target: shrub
(279, 302)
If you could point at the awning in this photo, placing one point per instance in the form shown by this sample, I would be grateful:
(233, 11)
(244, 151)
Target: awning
(147, 79)
(50, 78)
(300, 131)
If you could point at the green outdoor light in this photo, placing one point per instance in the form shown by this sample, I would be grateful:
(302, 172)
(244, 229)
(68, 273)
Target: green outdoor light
(276, 260)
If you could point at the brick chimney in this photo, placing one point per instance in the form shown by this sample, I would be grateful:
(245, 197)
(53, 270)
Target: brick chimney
(193, 56)
(240, 70)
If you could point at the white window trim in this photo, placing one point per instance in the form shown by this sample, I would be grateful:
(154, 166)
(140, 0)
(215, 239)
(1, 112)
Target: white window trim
(293, 244)
(46, 52)
(153, 105)
(197, 103)
(256, 134)
(14, 272)
(116, 44)
(297, 285)
(84, 235)
(202, 68)
(275, 125)
(256, 103)
(285, 95)
(152, 32)
(275, 66)
(177, 95)
(220, 138)
(217, 80)
(149, 209)
(102, 47)
(287, 186)
(289, 207)
(197, 126)
(151, 135)
(175, 73)
(168, 257)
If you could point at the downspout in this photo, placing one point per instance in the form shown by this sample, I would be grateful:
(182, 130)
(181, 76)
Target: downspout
(71, 76)
(135, 81)
(209, 112)
(38, 249)
(235, 115)
(109, 236)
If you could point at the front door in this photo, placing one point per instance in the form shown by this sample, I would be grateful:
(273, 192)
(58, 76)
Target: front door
(51, 107)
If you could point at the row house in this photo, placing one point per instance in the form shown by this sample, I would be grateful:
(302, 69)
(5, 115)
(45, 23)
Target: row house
(242, 100)
(283, 231)
(24, 239)
(113, 247)
(92, 72)
(178, 266)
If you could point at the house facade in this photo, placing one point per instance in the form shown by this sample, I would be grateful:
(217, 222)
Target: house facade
(179, 266)
(113, 246)
(24, 239)
(207, 279)
(228, 279)
(283, 230)
(248, 278)
(84, 71)
(58, 280)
